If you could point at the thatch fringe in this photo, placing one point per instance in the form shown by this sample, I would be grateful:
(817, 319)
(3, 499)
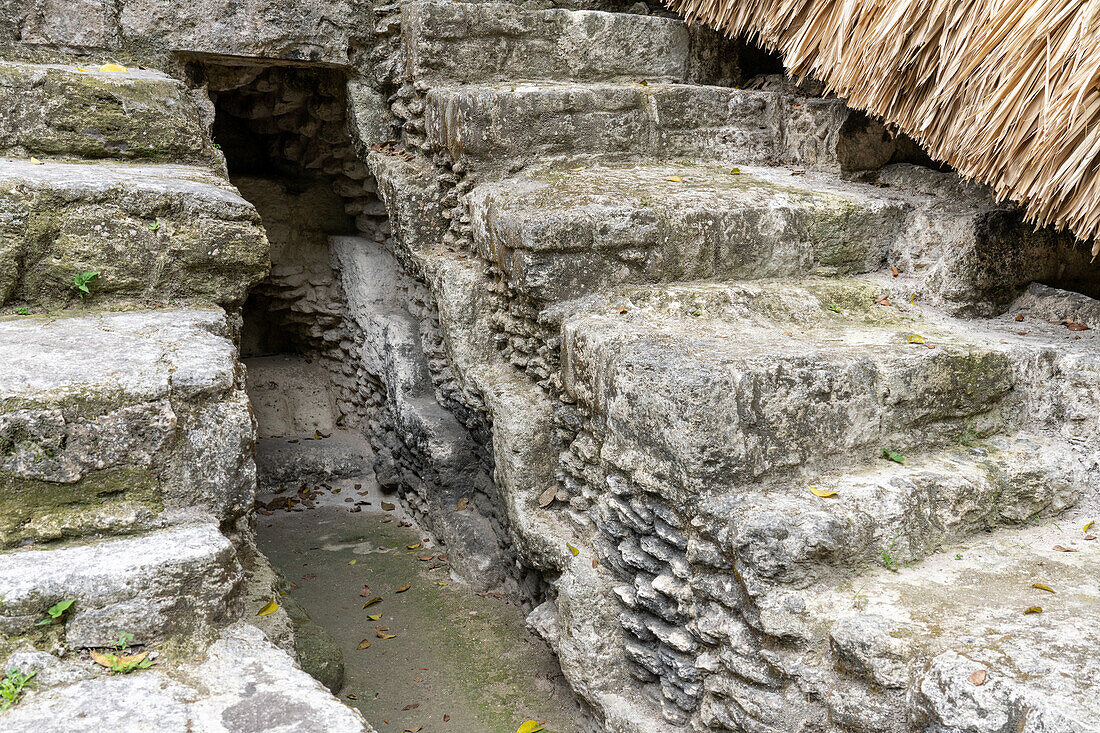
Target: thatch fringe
(1005, 91)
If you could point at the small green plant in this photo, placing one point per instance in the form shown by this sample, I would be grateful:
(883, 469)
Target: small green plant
(24, 311)
(56, 612)
(968, 438)
(154, 226)
(859, 600)
(892, 456)
(11, 687)
(888, 560)
(958, 556)
(697, 313)
(833, 308)
(82, 280)
(124, 640)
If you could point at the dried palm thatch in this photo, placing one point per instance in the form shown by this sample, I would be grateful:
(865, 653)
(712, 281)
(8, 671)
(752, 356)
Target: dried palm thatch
(1006, 91)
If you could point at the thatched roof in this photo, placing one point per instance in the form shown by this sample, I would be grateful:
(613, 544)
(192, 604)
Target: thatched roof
(1006, 91)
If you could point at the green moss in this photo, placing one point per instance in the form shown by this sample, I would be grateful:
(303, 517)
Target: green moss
(41, 510)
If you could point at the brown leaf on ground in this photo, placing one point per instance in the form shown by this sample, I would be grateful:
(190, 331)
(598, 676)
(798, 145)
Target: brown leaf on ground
(403, 588)
(1059, 548)
(894, 271)
(546, 498)
(1019, 317)
(413, 706)
(309, 576)
(462, 504)
(388, 507)
(1077, 326)
(363, 644)
(365, 593)
(978, 678)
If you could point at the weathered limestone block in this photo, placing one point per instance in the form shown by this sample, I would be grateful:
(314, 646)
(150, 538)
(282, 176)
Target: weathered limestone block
(411, 192)
(972, 255)
(181, 581)
(154, 233)
(711, 385)
(140, 115)
(892, 514)
(326, 31)
(557, 233)
(462, 43)
(110, 422)
(496, 125)
(242, 684)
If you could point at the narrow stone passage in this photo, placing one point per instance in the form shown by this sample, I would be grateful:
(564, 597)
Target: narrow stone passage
(458, 661)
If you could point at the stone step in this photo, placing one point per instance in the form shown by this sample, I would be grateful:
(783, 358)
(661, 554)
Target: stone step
(118, 422)
(139, 115)
(560, 232)
(241, 683)
(502, 126)
(154, 233)
(930, 628)
(465, 43)
(892, 515)
(703, 387)
(179, 581)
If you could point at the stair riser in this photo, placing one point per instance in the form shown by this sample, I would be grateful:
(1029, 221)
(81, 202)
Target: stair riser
(173, 583)
(498, 126)
(157, 434)
(135, 116)
(151, 238)
(680, 424)
(461, 43)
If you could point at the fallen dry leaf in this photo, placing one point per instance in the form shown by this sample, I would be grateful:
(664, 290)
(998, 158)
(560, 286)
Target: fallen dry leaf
(412, 547)
(530, 726)
(388, 507)
(1077, 327)
(309, 576)
(823, 493)
(403, 588)
(978, 678)
(446, 718)
(1042, 586)
(573, 550)
(546, 498)
(412, 706)
(1088, 526)
(113, 69)
(365, 593)
(1033, 609)
(414, 730)
(269, 608)
(363, 644)
(1090, 537)
(894, 271)
(595, 562)
(1059, 548)
(915, 338)
(1019, 317)
(382, 635)
(462, 504)
(675, 179)
(372, 601)
(374, 616)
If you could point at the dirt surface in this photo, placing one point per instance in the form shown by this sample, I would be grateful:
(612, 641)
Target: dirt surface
(457, 661)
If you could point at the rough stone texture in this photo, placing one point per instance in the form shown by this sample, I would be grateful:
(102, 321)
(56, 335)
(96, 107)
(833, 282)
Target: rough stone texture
(139, 115)
(501, 124)
(328, 31)
(183, 581)
(154, 233)
(559, 233)
(242, 684)
(462, 43)
(139, 414)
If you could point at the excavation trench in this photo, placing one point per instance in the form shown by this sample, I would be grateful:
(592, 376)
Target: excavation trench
(432, 654)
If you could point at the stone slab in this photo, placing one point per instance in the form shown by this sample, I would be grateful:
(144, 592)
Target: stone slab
(55, 110)
(155, 233)
(109, 420)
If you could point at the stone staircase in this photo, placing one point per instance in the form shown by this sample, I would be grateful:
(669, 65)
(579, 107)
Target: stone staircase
(634, 304)
(682, 305)
(126, 436)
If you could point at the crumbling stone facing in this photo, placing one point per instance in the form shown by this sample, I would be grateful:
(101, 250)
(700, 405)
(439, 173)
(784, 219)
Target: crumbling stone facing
(655, 433)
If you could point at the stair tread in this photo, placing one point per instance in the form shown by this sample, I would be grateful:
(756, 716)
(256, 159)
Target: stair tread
(64, 110)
